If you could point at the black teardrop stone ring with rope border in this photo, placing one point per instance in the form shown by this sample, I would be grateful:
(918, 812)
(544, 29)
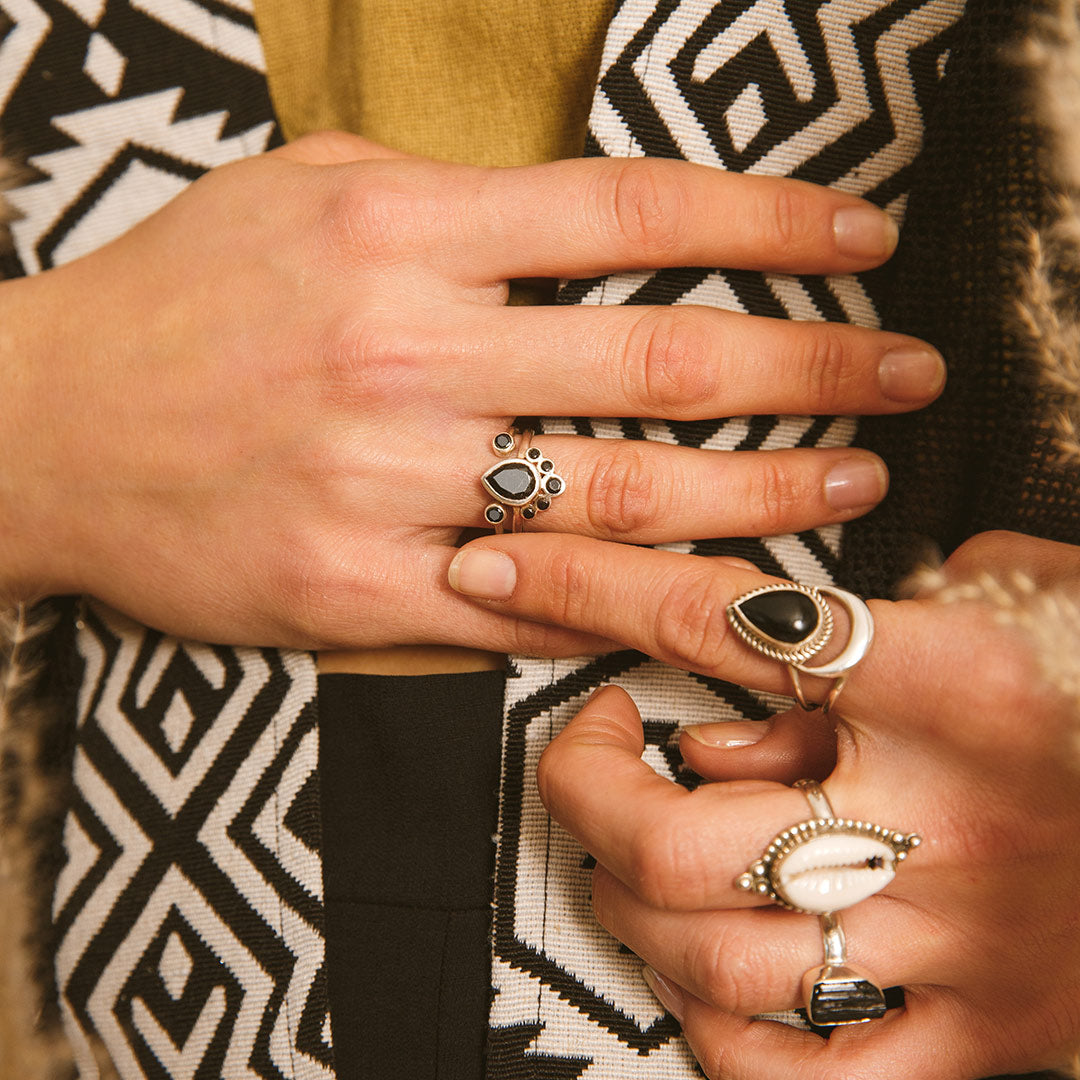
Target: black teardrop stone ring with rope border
(792, 623)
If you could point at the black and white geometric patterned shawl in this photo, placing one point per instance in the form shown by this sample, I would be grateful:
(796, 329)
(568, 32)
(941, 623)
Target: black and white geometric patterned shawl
(189, 911)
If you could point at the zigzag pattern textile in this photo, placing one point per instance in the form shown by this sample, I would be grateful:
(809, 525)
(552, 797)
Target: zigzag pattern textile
(189, 913)
(832, 92)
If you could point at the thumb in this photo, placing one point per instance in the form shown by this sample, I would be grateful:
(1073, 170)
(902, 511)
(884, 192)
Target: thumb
(790, 746)
(598, 752)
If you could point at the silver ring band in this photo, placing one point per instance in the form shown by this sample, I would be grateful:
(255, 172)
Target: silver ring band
(815, 795)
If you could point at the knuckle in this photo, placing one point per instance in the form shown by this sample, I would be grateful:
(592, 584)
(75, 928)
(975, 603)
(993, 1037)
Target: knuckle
(372, 359)
(982, 550)
(302, 587)
(650, 216)
(325, 468)
(569, 592)
(363, 221)
(785, 214)
(1001, 680)
(691, 621)
(1007, 680)
(320, 589)
(329, 144)
(1007, 689)
(667, 359)
(735, 980)
(826, 365)
(604, 899)
(773, 494)
(624, 497)
(978, 844)
(534, 639)
(717, 1059)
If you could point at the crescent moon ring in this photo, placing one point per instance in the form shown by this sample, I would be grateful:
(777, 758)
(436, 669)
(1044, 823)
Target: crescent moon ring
(860, 635)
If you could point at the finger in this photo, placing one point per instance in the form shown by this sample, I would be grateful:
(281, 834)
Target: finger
(649, 493)
(629, 490)
(737, 563)
(671, 606)
(784, 748)
(674, 607)
(922, 1041)
(588, 216)
(688, 363)
(406, 583)
(677, 849)
(749, 962)
(1045, 562)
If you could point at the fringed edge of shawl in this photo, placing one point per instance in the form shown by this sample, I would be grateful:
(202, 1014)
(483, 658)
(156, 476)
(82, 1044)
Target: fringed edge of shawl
(32, 801)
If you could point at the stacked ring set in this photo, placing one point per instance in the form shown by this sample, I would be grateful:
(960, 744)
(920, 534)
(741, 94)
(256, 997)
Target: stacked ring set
(521, 485)
(824, 864)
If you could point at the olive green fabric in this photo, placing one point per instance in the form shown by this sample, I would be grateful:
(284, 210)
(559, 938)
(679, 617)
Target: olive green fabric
(505, 83)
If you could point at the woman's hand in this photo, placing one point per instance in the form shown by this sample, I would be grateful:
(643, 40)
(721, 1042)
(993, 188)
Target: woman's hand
(261, 415)
(952, 727)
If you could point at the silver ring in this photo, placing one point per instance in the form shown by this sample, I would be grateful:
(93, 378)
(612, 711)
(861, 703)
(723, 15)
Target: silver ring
(827, 863)
(522, 484)
(837, 994)
(792, 623)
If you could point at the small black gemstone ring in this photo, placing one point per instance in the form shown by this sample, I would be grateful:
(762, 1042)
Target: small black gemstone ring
(791, 623)
(522, 484)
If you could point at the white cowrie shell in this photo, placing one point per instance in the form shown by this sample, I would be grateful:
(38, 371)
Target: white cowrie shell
(827, 864)
(832, 871)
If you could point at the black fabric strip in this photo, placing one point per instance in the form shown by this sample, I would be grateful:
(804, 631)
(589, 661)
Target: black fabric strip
(410, 775)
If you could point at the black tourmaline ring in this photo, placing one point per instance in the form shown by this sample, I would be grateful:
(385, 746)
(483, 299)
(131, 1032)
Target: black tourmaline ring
(791, 623)
(521, 484)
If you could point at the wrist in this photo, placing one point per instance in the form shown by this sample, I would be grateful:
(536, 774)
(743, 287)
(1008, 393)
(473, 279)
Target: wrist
(32, 553)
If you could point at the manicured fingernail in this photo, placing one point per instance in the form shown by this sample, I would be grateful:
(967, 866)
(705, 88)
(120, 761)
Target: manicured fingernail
(667, 993)
(864, 233)
(856, 484)
(730, 735)
(911, 374)
(481, 572)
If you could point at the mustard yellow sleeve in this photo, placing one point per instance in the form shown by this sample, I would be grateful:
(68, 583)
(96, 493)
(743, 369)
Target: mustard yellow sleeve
(505, 83)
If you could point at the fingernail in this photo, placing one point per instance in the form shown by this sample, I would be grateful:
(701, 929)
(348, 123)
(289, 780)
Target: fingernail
(667, 993)
(481, 572)
(911, 374)
(862, 232)
(730, 735)
(856, 484)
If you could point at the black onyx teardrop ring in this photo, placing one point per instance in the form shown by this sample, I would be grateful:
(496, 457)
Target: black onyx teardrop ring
(520, 485)
(791, 623)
